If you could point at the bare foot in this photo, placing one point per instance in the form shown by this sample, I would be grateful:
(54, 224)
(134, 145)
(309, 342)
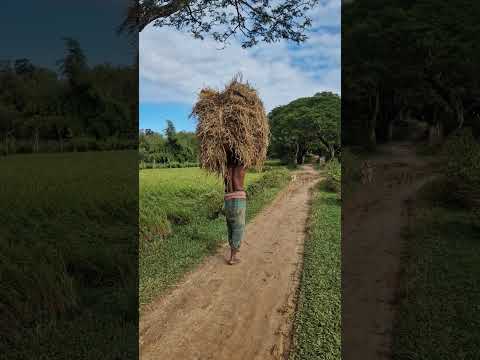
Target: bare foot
(233, 257)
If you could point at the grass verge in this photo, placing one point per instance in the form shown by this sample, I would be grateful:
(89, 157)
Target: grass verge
(196, 229)
(439, 312)
(317, 324)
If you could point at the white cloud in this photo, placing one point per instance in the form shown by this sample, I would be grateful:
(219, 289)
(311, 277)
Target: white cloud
(174, 66)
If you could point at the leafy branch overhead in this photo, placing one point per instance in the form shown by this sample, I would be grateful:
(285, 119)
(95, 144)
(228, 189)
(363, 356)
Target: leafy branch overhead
(252, 20)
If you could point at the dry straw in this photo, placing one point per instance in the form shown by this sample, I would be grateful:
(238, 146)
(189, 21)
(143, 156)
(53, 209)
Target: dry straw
(231, 120)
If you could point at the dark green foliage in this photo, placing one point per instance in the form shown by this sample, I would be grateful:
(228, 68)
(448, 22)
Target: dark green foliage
(272, 179)
(462, 168)
(306, 125)
(438, 316)
(408, 60)
(333, 181)
(174, 150)
(82, 108)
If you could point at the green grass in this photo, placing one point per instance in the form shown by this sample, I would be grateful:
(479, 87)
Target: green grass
(317, 325)
(68, 255)
(439, 311)
(180, 220)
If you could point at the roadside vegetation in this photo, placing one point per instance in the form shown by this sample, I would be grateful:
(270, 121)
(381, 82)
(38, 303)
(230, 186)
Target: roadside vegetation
(181, 220)
(438, 315)
(317, 324)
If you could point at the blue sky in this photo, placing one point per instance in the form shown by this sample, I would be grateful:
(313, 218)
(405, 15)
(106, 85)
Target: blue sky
(174, 67)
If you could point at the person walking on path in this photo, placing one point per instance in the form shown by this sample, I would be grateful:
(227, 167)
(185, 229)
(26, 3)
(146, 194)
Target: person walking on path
(235, 205)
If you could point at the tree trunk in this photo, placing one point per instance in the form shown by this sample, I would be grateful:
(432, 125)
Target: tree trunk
(435, 131)
(372, 123)
(295, 158)
(332, 152)
(439, 132)
(300, 156)
(35, 140)
(399, 117)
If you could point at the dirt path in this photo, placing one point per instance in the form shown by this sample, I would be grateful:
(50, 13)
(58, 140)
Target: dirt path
(371, 249)
(243, 311)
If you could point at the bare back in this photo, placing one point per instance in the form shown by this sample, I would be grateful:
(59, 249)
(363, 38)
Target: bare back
(235, 178)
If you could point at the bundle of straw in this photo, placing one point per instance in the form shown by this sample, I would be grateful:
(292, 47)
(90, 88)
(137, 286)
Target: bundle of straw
(233, 120)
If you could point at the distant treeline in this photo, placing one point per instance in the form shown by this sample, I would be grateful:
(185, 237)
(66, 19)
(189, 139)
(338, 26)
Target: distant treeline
(309, 125)
(169, 150)
(78, 108)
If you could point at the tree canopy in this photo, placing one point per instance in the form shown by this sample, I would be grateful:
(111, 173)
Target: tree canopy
(252, 20)
(416, 58)
(310, 124)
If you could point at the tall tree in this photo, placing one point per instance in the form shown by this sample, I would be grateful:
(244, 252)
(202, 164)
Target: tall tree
(74, 65)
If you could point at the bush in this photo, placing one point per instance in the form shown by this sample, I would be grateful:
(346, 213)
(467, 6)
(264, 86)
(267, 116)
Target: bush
(462, 167)
(333, 181)
(213, 202)
(272, 179)
(437, 192)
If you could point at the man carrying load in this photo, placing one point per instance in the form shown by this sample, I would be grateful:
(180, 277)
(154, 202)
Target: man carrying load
(235, 205)
(233, 135)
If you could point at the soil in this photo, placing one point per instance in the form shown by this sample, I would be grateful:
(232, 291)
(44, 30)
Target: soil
(243, 311)
(374, 217)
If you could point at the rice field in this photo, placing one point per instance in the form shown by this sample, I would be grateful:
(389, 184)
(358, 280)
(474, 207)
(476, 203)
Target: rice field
(168, 196)
(68, 254)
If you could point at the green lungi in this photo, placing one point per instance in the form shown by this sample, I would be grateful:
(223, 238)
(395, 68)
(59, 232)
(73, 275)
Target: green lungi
(235, 210)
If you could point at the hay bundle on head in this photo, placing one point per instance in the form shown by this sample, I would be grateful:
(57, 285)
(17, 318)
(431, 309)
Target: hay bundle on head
(232, 121)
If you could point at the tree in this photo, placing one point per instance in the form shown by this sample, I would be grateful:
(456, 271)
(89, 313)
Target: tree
(310, 124)
(175, 146)
(408, 57)
(253, 20)
(74, 65)
(23, 67)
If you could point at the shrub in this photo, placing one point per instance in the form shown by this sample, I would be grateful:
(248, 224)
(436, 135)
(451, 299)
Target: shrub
(333, 181)
(462, 167)
(272, 179)
(213, 203)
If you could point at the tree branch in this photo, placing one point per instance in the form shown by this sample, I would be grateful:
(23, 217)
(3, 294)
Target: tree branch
(140, 14)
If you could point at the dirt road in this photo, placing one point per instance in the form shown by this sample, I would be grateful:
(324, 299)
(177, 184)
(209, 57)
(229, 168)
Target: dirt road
(243, 311)
(373, 219)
